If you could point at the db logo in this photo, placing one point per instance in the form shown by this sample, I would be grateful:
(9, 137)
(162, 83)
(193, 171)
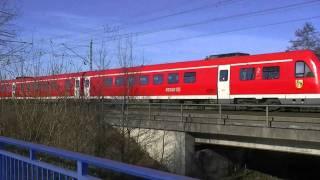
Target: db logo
(299, 84)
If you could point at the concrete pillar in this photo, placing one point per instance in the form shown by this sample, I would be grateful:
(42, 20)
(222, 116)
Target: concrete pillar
(174, 149)
(184, 153)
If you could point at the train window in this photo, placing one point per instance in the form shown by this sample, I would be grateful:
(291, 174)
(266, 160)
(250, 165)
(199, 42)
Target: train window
(247, 73)
(272, 72)
(131, 80)
(45, 86)
(189, 77)
(29, 87)
(86, 83)
(14, 87)
(120, 81)
(3, 88)
(303, 70)
(223, 75)
(308, 72)
(53, 85)
(108, 81)
(24, 87)
(144, 80)
(173, 78)
(35, 86)
(40, 86)
(158, 79)
(67, 84)
(77, 83)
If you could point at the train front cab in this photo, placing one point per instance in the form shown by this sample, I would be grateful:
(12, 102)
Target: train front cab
(306, 82)
(297, 83)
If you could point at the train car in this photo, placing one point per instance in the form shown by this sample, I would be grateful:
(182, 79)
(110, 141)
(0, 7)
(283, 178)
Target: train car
(274, 78)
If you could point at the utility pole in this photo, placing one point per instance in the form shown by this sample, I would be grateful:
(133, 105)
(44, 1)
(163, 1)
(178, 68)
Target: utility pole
(90, 60)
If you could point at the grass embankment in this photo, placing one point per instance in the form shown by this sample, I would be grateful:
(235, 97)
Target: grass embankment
(74, 126)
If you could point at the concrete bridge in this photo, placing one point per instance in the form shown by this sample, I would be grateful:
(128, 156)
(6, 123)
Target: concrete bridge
(294, 129)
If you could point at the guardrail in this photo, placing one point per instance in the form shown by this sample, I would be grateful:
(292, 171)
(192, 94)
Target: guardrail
(222, 114)
(15, 165)
(295, 117)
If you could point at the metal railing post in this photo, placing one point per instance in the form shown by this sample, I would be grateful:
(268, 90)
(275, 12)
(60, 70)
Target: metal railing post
(149, 112)
(32, 154)
(181, 111)
(82, 170)
(2, 172)
(267, 116)
(102, 106)
(220, 113)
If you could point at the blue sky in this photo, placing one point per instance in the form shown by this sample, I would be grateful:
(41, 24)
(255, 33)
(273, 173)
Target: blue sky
(75, 22)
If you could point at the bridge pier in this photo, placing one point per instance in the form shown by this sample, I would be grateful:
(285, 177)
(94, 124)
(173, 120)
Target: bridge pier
(184, 153)
(175, 150)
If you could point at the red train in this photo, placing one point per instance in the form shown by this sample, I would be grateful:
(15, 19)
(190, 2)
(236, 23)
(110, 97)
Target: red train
(285, 77)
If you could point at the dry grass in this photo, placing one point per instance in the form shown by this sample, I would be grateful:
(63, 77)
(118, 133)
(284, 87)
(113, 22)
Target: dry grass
(71, 125)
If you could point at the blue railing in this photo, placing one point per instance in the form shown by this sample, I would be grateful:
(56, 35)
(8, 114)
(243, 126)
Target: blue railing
(20, 160)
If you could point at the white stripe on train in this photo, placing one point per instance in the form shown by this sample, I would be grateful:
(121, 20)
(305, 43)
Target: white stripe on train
(257, 96)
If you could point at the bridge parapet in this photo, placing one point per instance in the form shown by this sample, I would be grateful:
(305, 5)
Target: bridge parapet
(14, 164)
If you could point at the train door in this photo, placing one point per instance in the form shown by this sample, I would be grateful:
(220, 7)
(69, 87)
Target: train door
(14, 87)
(86, 87)
(223, 82)
(77, 87)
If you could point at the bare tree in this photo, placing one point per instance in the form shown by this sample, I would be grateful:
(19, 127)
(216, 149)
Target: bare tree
(7, 14)
(12, 49)
(306, 38)
(104, 50)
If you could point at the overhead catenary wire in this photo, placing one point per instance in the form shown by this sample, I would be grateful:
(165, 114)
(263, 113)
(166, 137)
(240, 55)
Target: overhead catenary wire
(216, 19)
(233, 30)
(5, 35)
(210, 34)
(78, 55)
(7, 13)
(17, 49)
(248, 14)
(14, 41)
(6, 32)
(96, 32)
(207, 6)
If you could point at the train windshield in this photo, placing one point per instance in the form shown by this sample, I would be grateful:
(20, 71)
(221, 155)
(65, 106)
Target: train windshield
(318, 55)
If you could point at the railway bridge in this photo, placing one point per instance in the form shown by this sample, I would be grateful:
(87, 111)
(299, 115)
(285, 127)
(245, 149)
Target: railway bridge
(284, 128)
